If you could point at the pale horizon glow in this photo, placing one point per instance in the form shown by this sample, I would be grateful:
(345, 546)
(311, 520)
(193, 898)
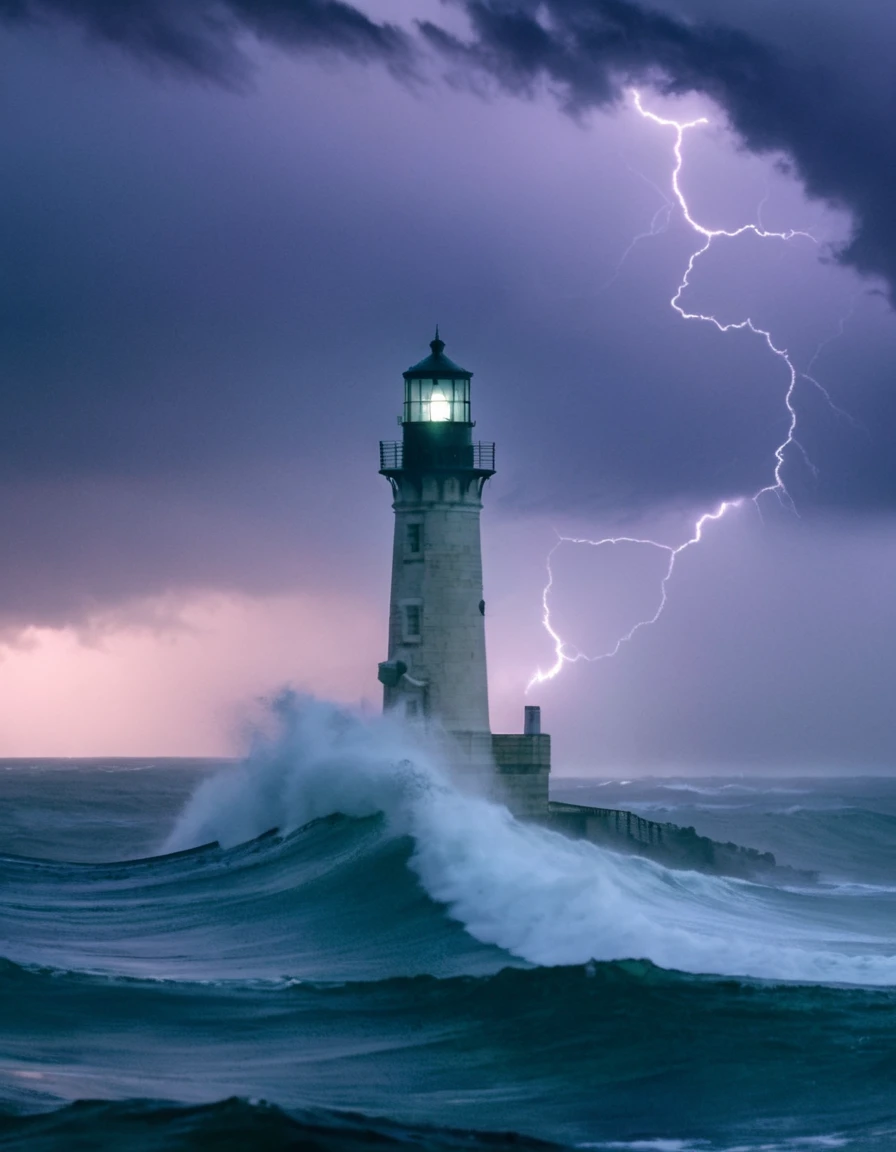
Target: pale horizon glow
(185, 689)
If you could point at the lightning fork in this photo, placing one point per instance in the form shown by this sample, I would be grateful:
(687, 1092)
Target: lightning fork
(776, 486)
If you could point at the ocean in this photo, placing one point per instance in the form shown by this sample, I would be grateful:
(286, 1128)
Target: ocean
(401, 964)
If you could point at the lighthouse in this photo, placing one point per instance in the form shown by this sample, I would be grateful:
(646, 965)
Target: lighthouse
(436, 672)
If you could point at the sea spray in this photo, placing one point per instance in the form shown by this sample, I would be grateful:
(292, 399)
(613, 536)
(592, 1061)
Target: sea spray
(311, 760)
(532, 892)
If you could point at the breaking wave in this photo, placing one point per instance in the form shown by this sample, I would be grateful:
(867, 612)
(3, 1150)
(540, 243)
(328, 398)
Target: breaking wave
(531, 892)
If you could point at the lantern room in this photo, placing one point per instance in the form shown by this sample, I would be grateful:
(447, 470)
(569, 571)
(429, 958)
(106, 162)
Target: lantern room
(437, 391)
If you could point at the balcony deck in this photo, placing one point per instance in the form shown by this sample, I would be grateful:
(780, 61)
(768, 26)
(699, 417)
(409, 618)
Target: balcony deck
(478, 457)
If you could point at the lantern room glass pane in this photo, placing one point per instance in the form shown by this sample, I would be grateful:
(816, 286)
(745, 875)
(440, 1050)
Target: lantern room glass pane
(438, 400)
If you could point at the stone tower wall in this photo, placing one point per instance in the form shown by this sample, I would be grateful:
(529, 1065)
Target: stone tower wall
(438, 584)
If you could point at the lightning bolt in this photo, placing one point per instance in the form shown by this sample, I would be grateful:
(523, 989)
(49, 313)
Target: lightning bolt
(658, 224)
(565, 653)
(807, 374)
(561, 648)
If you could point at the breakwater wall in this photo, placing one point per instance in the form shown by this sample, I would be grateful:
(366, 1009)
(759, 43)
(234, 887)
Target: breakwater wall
(668, 844)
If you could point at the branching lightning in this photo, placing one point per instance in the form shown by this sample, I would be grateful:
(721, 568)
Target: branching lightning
(567, 654)
(561, 648)
(810, 367)
(658, 225)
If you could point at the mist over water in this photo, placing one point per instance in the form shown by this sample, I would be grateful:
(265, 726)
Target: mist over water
(403, 947)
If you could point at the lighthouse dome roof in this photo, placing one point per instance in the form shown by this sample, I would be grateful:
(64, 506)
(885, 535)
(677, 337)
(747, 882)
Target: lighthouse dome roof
(437, 364)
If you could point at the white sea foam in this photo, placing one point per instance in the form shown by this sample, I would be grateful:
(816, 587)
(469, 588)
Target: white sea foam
(722, 789)
(788, 1144)
(533, 892)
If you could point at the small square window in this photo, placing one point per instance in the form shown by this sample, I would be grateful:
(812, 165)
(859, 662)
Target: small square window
(412, 620)
(415, 537)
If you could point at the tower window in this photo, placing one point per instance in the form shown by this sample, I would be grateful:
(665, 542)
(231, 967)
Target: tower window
(412, 621)
(415, 537)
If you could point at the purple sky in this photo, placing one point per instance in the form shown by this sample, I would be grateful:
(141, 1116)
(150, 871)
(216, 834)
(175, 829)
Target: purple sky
(221, 244)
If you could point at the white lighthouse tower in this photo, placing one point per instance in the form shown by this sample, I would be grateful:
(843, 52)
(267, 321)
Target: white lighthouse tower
(436, 667)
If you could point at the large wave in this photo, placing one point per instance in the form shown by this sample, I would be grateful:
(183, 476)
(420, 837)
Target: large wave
(426, 956)
(531, 892)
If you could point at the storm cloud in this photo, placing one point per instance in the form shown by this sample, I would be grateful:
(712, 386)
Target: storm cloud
(815, 108)
(201, 38)
(787, 88)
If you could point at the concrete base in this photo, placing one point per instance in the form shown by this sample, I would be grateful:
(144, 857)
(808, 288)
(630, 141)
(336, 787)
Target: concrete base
(522, 772)
(512, 770)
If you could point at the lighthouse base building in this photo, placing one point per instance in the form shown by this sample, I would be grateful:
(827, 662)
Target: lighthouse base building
(436, 670)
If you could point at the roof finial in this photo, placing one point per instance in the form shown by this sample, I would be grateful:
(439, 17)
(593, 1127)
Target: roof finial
(438, 344)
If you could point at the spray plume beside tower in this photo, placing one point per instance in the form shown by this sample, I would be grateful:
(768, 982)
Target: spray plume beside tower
(436, 669)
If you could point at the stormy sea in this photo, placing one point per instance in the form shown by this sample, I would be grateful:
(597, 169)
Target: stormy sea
(327, 945)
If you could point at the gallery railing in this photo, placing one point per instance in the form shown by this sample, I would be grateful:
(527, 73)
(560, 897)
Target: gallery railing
(479, 456)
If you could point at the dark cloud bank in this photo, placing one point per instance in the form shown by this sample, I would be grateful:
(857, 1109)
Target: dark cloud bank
(783, 98)
(819, 114)
(201, 37)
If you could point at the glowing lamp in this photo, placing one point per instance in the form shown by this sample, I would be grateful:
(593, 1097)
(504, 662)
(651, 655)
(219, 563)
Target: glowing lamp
(439, 407)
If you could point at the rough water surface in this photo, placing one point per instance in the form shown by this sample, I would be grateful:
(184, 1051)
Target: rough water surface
(421, 969)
